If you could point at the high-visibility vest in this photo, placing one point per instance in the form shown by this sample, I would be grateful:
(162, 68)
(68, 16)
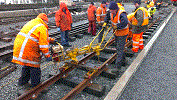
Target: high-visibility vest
(30, 41)
(101, 14)
(130, 17)
(150, 11)
(151, 4)
(117, 20)
(145, 16)
(120, 6)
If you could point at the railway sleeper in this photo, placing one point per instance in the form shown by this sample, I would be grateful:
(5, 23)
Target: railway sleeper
(6, 39)
(94, 89)
(107, 73)
(147, 33)
(79, 36)
(128, 52)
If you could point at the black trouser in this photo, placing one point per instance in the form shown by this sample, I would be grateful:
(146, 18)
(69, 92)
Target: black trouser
(30, 73)
(120, 43)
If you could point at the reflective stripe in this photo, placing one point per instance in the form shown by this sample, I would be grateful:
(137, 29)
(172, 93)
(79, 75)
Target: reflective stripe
(26, 39)
(27, 36)
(102, 12)
(135, 42)
(114, 23)
(98, 15)
(141, 39)
(43, 46)
(25, 61)
(46, 53)
(119, 16)
(135, 46)
(141, 44)
(145, 14)
(129, 22)
(118, 20)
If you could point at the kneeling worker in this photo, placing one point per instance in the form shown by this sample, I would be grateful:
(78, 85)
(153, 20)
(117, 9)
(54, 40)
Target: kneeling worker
(30, 41)
(119, 21)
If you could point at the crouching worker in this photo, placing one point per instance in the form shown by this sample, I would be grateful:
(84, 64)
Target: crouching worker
(119, 22)
(139, 25)
(30, 41)
(151, 12)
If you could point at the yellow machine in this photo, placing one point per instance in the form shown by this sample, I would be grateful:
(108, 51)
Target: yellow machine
(59, 55)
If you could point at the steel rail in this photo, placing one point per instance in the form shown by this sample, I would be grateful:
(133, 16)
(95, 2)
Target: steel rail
(7, 71)
(86, 81)
(80, 87)
(36, 90)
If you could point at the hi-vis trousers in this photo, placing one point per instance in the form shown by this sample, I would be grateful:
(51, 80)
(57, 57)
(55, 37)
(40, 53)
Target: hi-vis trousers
(137, 42)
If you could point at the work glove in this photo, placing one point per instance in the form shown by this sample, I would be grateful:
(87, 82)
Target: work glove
(58, 29)
(114, 27)
(104, 25)
(49, 59)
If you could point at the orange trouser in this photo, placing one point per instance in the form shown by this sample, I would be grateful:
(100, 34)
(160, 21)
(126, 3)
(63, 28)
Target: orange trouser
(137, 42)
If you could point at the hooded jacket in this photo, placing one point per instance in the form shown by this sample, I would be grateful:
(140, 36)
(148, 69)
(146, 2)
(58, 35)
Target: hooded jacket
(91, 12)
(62, 19)
(30, 42)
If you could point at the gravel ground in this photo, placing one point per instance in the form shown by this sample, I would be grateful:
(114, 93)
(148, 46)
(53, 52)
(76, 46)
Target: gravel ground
(57, 91)
(156, 77)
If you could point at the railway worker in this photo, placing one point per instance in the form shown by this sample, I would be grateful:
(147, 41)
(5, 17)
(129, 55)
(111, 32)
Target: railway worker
(147, 6)
(119, 22)
(100, 14)
(92, 19)
(151, 4)
(159, 4)
(63, 21)
(139, 25)
(151, 12)
(30, 41)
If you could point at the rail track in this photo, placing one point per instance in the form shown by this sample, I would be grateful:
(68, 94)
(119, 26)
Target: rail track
(107, 57)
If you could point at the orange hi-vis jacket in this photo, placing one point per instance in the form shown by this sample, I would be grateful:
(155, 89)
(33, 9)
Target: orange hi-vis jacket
(30, 41)
(115, 21)
(91, 12)
(101, 14)
(145, 15)
(63, 20)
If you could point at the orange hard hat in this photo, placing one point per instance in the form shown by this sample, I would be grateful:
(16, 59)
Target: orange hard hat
(43, 16)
